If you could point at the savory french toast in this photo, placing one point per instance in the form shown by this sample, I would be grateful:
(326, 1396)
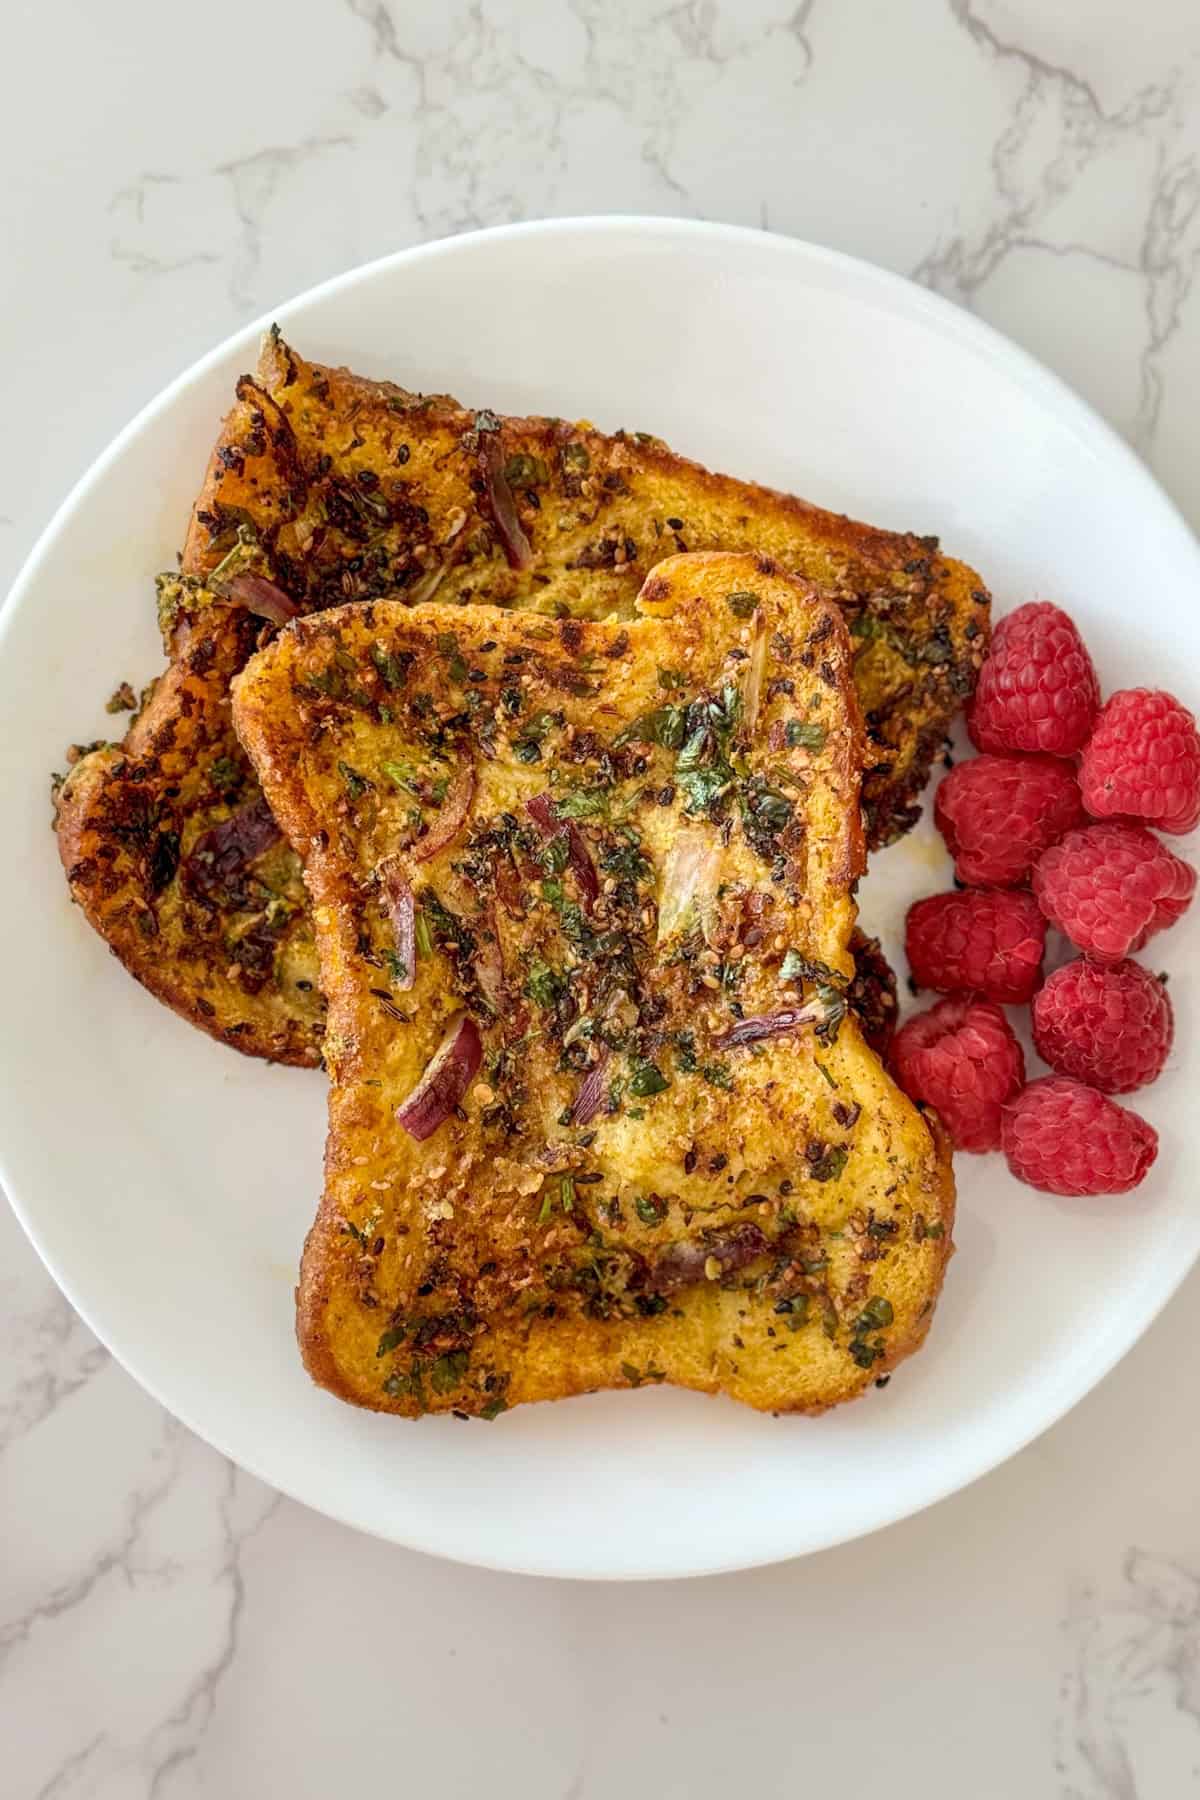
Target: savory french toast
(582, 892)
(173, 855)
(326, 487)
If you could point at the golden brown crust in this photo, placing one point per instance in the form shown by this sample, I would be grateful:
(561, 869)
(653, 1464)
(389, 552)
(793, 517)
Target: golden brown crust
(598, 512)
(237, 959)
(336, 488)
(753, 1211)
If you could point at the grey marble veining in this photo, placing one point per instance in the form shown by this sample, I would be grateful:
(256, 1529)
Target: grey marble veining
(167, 1625)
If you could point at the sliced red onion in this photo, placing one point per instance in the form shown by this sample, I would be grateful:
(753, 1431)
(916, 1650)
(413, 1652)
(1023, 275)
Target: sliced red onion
(541, 811)
(755, 670)
(453, 1068)
(258, 595)
(592, 1091)
(489, 962)
(689, 876)
(580, 860)
(501, 504)
(427, 585)
(452, 815)
(401, 910)
(222, 853)
(825, 1008)
(686, 1263)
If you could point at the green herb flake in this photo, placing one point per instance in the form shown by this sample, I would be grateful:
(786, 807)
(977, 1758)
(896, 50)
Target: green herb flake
(742, 603)
(718, 1075)
(392, 1337)
(875, 1315)
(526, 471)
(650, 1209)
(402, 773)
(666, 725)
(646, 1079)
(554, 853)
(829, 1166)
(635, 1376)
(543, 985)
(795, 967)
(800, 734)
(396, 966)
(493, 1408)
(356, 785)
(393, 670)
(422, 935)
(825, 1071)
(224, 774)
(446, 1372)
(581, 803)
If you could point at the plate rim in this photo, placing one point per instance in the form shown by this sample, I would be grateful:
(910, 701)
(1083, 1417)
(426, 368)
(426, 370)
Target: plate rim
(900, 292)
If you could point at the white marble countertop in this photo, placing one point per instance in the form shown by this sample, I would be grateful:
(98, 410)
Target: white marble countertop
(167, 1625)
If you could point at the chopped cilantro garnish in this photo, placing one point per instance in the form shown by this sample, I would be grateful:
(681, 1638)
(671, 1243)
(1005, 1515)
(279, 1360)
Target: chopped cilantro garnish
(356, 785)
(224, 774)
(543, 985)
(393, 669)
(650, 1209)
(392, 1336)
(795, 967)
(718, 1075)
(665, 726)
(554, 853)
(828, 1165)
(581, 803)
(742, 603)
(403, 774)
(875, 1315)
(447, 1371)
(647, 1078)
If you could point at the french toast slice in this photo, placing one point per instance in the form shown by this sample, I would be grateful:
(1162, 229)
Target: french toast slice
(326, 487)
(598, 1115)
(171, 851)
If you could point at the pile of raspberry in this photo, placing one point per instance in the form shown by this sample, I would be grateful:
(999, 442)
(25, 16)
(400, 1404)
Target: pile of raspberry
(1053, 823)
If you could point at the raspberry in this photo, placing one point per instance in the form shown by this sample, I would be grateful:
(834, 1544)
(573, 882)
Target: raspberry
(984, 941)
(1143, 761)
(1110, 887)
(1065, 1138)
(1037, 689)
(961, 1056)
(998, 813)
(1111, 1027)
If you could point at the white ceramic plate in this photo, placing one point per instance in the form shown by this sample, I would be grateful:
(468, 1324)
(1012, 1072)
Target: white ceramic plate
(168, 1183)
